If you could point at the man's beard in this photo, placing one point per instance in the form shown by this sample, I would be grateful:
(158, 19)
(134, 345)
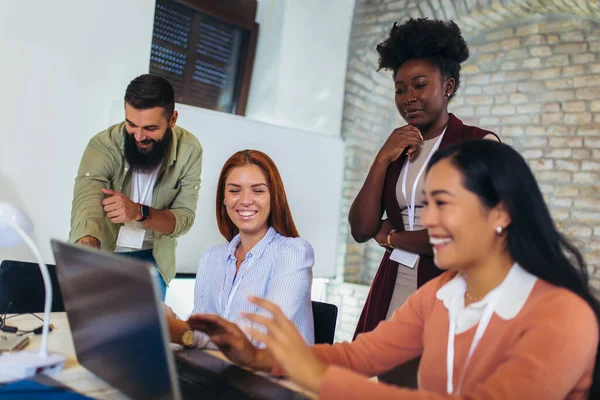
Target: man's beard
(146, 160)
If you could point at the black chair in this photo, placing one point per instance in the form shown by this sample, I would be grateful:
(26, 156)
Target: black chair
(325, 317)
(22, 288)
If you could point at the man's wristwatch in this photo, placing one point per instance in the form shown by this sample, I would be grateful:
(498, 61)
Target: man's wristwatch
(145, 211)
(187, 339)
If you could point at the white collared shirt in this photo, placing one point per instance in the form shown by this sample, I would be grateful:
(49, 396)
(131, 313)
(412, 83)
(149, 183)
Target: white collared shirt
(516, 287)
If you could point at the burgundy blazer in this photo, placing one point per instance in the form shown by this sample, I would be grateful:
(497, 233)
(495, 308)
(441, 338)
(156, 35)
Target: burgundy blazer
(380, 295)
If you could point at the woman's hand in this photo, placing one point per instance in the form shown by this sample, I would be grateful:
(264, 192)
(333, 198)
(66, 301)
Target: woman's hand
(287, 346)
(169, 313)
(230, 340)
(177, 328)
(401, 138)
(384, 229)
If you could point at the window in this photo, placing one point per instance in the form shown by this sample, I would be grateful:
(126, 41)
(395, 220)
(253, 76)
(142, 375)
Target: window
(206, 48)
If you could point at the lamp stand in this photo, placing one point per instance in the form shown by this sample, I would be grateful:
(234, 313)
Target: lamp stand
(24, 364)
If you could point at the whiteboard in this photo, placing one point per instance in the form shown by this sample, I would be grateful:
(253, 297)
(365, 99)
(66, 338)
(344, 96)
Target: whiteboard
(311, 166)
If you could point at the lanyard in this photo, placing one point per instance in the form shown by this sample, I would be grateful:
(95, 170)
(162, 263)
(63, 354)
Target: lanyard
(483, 324)
(411, 205)
(142, 198)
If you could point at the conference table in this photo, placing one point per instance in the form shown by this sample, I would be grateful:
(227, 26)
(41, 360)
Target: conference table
(76, 376)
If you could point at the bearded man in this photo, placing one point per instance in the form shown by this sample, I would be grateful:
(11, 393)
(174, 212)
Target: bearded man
(138, 181)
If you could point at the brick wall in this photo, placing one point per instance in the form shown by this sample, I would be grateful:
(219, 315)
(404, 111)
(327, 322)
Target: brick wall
(533, 77)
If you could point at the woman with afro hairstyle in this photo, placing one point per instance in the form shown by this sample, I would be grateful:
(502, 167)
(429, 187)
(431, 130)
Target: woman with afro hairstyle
(424, 56)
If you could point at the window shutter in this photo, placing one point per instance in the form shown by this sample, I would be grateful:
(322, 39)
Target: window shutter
(216, 62)
(170, 44)
(204, 57)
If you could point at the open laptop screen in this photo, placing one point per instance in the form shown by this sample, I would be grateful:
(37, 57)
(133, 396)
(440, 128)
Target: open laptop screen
(116, 322)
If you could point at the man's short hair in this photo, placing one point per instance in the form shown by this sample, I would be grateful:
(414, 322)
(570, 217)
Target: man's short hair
(149, 91)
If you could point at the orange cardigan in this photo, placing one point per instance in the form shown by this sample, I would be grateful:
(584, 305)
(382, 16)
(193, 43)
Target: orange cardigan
(547, 351)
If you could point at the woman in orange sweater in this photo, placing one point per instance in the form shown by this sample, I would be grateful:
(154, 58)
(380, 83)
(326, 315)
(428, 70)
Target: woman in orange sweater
(512, 317)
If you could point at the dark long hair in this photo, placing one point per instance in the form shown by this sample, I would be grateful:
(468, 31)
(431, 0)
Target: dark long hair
(496, 173)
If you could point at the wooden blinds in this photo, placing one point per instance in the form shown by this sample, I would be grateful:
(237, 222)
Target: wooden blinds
(207, 57)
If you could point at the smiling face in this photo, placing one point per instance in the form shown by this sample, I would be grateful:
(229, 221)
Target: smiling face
(248, 200)
(461, 229)
(148, 136)
(147, 126)
(421, 93)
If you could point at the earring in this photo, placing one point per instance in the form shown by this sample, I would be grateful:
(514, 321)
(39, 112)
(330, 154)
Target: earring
(499, 230)
(448, 94)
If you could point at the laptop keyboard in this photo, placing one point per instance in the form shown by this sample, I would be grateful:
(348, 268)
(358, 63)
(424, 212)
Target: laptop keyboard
(197, 385)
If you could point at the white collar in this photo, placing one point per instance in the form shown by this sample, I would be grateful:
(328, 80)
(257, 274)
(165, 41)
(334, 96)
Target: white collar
(517, 286)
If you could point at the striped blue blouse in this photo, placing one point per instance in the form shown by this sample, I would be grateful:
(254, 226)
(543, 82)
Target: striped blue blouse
(277, 268)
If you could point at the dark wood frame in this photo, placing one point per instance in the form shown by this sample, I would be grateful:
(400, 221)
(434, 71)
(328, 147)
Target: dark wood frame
(185, 275)
(242, 14)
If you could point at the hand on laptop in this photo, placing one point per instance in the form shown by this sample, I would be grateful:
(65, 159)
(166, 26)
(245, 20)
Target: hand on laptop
(231, 341)
(286, 345)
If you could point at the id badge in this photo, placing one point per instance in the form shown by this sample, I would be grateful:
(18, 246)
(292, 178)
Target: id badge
(405, 258)
(131, 237)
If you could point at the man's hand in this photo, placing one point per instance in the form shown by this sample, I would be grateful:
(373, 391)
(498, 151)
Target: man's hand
(89, 241)
(119, 208)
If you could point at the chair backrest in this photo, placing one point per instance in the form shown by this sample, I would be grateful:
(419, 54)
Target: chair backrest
(22, 288)
(325, 317)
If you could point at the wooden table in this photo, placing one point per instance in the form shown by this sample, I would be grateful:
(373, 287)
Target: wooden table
(76, 376)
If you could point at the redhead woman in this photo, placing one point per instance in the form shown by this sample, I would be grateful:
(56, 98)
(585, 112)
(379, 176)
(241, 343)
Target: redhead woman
(264, 255)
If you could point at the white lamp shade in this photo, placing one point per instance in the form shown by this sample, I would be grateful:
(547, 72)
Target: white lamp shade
(9, 216)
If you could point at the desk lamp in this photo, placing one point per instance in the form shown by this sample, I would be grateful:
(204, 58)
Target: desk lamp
(15, 227)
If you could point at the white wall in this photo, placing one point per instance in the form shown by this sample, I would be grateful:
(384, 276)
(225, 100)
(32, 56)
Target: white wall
(63, 63)
(66, 66)
(263, 89)
(300, 67)
(180, 295)
(311, 167)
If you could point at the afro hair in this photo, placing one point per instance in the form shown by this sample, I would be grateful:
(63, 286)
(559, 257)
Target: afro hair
(439, 42)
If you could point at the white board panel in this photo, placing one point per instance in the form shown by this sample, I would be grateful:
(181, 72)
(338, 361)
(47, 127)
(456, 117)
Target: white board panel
(311, 166)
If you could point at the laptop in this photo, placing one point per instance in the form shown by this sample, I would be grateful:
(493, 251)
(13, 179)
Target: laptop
(120, 334)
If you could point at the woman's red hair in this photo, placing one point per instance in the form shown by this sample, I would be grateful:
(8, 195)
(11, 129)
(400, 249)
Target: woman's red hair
(280, 217)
